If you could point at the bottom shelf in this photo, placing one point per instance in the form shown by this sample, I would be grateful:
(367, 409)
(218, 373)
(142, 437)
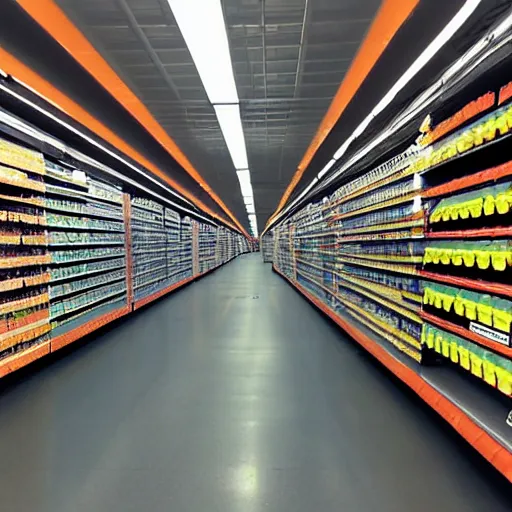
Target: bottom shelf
(21, 359)
(441, 391)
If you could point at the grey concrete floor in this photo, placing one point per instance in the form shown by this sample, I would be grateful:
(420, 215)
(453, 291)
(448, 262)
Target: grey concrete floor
(233, 394)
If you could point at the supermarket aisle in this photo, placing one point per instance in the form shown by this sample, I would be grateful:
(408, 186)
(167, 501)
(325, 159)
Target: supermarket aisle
(233, 394)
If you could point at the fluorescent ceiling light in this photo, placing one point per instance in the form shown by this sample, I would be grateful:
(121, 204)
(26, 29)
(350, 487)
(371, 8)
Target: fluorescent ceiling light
(231, 126)
(250, 208)
(326, 168)
(201, 23)
(246, 189)
(244, 178)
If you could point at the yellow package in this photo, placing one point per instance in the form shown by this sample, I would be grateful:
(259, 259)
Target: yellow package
(468, 257)
(454, 212)
(484, 313)
(436, 215)
(501, 319)
(501, 124)
(489, 130)
(508, 116)
(438, 300)
(430, 339)
(499, 260)
(445, 348)
(478, 134)
(476, 365)
(465, 142)
(436, 255)
(464, 210)
(428, 256)
(458, 306)
(454, 352)
(445, 256)
(489, 370)
(464, 359)
(457, 259)
(475, 207)
(470, 309)
(489, 205)
(448, 300)
(502, 204)
(438, 343)
(483, 259)
(447, 213)
(504, 380)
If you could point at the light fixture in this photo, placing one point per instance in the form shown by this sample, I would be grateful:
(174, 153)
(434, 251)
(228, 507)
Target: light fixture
(326, 168)
(201, 23)
(231, 126)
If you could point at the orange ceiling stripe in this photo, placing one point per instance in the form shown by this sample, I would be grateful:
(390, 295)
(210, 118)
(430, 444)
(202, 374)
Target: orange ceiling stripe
(390, 17)
(59, 26)
(24, 74)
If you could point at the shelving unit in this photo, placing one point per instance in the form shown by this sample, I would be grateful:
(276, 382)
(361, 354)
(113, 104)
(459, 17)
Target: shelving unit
(413, 259)
(86, 243)
(80, 249)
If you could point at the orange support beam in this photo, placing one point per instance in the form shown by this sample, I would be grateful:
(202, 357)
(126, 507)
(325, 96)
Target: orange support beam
(49, 15)
(390, 17)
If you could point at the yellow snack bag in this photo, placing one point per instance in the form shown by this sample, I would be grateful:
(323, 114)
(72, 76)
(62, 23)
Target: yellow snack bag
(501, 124)
(508, 115)
(469, 257)
(464, 359)
(499, 260)
(489, 130)
(430, 338)
(458, 306)
(445, 256)
(476, 365)
(489, 205)
(502, 320)
(447, 213)
(465, 142)
(470, 309)
(489, 373)
(454, 352)
(484, 313)
(464, 210)
(483, 259)
(428, 256)
(454, 213)
(475, 207)
(436, 215)
(438, 300)
(438, 343)
(504, 379)
(436, 255)
(502, 204)
(448, 300)
(445, 348)
(457, 259)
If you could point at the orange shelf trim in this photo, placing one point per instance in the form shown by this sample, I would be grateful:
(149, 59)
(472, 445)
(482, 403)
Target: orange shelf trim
(21, 359)
(85, 329)
(486, 445)
(489, 175)
(472, 284)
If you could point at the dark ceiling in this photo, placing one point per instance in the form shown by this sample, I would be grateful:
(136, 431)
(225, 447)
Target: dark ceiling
(289, 58)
